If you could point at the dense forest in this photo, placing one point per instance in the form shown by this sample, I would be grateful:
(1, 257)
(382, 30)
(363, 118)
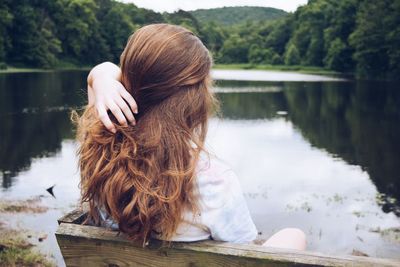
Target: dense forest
(237, 14)
(355, 36)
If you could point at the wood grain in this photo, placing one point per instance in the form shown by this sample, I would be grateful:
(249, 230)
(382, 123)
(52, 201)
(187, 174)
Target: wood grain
(76, 216)
(83, 245)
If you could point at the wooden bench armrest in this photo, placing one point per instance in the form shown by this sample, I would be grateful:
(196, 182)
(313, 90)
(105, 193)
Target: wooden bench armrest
(84, 245)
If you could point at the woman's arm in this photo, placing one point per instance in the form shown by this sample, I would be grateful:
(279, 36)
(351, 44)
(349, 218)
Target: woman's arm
(106, 92)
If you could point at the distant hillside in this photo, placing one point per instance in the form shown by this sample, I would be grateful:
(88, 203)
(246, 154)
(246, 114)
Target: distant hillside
(234, 15)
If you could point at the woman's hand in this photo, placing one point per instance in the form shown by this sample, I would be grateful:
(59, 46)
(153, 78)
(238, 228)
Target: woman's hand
(106, 92)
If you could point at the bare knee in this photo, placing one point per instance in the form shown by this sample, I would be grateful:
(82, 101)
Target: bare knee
(295, 232)
(300, 237)
(291, 238)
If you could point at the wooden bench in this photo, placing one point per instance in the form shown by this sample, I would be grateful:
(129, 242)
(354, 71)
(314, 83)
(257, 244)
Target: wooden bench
(83, 245)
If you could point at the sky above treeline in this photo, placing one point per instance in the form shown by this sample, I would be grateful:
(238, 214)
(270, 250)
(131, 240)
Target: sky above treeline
(173, 5)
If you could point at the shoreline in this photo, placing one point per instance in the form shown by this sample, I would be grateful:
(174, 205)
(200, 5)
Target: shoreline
(243, 66)
(29, 70)
(23, 245)
(284, 68)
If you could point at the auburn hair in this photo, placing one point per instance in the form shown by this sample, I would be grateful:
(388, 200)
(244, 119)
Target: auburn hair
(143, 176)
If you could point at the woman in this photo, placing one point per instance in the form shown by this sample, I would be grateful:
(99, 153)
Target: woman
(152, 177)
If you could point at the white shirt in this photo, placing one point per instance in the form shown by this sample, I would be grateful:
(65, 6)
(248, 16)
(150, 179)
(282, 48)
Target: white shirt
(223, 213)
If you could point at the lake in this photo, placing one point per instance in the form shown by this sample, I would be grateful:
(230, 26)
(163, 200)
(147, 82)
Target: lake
(318, 153)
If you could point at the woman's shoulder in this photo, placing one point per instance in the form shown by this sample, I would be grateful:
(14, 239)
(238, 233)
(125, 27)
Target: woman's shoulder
(210, 168)
(216, 181)
(223, 207)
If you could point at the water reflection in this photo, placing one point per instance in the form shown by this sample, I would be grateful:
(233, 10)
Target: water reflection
(306, 153)
(34, 110)
(358, 122)
(254, 100)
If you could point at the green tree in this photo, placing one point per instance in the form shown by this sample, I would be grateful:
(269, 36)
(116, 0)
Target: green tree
(309, 24)
(337, 56)
(213, 36)
(116, 26)
(6, 18)
(184, 19)
(77, 26)
(338, 51)
(259, 55)
(292, 55)
(33, 35)
(280, 35)
(393, 38)
(276, 59)
(234, 50)
(368, 39)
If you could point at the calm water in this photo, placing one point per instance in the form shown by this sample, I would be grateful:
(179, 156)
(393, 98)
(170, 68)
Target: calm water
(318, 154)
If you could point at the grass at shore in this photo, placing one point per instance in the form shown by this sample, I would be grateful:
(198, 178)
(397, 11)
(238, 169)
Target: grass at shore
(22, 70)
(18, 247)
(31, 205)
(13, 70)
(300, 69)
(61, 67)
(16, 250)
(244, 66)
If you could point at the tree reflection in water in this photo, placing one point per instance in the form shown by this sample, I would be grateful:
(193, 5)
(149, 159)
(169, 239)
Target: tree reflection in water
(34, 112)
(356, 121)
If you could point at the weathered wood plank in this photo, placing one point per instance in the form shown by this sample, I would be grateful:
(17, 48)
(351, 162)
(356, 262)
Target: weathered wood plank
(83, 245)
(76, 216)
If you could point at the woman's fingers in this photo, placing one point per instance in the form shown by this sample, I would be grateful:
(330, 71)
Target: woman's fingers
(126, 110)
(116, 111)
(103, 116)
(116, 99)
(131, 101)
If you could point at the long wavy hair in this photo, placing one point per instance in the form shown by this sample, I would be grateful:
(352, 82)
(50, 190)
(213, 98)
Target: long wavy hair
(144, 175)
